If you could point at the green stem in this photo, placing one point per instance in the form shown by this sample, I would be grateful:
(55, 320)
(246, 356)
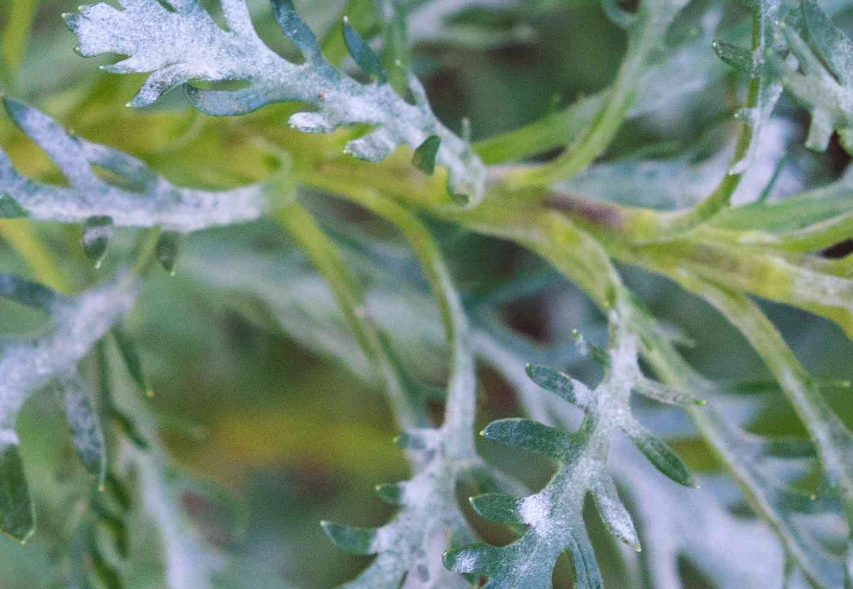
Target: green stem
(322, 253)
(833, 440)
(146, 251)
(22, 237)
(559, 128)
(461, 396)
(19, 19)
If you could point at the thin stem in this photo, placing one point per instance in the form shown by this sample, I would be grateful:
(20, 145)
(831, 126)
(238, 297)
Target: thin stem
(322, 253)
(829, 434)
(19, 19)
(461, 396)
(146, 251)
(21, 236)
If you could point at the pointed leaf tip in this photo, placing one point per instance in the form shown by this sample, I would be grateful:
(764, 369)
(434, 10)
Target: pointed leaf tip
(734, 56)
(97, 232)
(350, 538)
(167, 250)
(425, 154)
(363, 55)
(132, 361)
(661, 456)
(391, 493)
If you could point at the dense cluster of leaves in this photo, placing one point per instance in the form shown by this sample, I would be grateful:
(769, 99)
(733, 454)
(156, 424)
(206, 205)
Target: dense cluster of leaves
(377, 309)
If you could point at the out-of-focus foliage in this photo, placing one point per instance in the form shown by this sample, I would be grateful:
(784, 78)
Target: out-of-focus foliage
(214, 327)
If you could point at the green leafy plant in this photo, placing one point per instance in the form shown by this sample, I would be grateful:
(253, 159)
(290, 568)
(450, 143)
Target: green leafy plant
(404, 278)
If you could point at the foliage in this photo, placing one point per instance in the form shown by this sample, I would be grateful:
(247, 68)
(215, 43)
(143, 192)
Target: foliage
(399, 268)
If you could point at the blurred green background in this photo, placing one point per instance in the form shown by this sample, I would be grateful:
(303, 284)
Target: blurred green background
(233, 343)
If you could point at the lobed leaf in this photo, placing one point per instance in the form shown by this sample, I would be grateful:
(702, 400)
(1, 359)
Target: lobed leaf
(99, 205)
(28, 366)
(177, 47)
(554, 516)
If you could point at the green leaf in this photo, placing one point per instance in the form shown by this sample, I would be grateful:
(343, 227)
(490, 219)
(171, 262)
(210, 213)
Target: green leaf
(733, 55)
(9, 207)
(391, 493)
(167, 250)
(97, 232)
(296, 30)
(29, 293)
(363, 55)
(533, 436)
(84, 425)
(561, 385)
(352, 539)
(659, 454)
(425, 154)
(17, 515)
(132, 361)
(498, 507)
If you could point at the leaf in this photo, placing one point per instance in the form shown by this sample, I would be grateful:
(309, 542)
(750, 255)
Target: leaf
(186, 44)
(425, 154)
(97, 232)
(824, 86)
(84, 425)
(98, 205)
(29, 293)
(132, 361)
(561, 385)
(733, 55)
(659, 454)
(17, 514)
(167, 250)
(10, 208)
(554, 516)
(351, 539)
(532, 436)
(29, 365)
(363, 55)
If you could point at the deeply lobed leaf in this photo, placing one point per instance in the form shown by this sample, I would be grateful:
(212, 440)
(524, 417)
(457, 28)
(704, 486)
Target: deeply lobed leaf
(554, 516)
(186, 44)
(99, 205)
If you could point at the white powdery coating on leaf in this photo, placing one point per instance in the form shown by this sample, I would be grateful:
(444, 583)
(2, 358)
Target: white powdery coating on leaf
(535, 511)
(29, 366)
(465, 563)
(176, 47)
(152, 202)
